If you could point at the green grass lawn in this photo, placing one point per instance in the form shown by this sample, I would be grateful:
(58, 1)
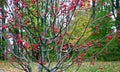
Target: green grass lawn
(98, 67)
(86, 67)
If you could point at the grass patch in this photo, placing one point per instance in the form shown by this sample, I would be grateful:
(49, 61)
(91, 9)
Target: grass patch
(86, 67)
(98, 67)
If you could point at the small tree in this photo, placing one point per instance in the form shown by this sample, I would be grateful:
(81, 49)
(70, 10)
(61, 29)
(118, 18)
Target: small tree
(37, 31)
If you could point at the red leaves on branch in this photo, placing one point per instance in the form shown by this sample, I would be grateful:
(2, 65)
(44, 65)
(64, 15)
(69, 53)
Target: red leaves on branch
(79, 60)
(82, 55)
(64, 47)
(0, 8)
(33, 2)
(80, 46)
(16, 26)
(64, 6)
(1, 17)
(67, 34)
(92, 62)
(118, 35)
(74, 60)
(16, 1)
(26, 23)
(26, 45)
(18, 36)
(83, 0)
(41, 62)
(94, 0)
(35, 47)
(61, 36)
(19, 41)
(42, 38)
(52, 7)
(89, 44)
(55, 30)
(55, 49)
(81, 4)
(73, 1)
(97, 30)
(10, 19)
(45, 14)
(16, 9)
(67, 56)
(59, 42)
(19, 15)
(23, 5)
(109, 37)
(79, 63)
(4, 27)
(25, 69)
(9, 36)
(12, 58)
(72, 7)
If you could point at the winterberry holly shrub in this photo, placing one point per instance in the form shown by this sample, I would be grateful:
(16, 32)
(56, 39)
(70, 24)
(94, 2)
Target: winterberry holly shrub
(41, 31)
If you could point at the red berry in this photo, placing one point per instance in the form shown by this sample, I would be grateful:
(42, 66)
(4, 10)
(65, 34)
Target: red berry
(1, 17)
(26, 45)
(0, 9)
(33, 1)
(93, 0)
(109, 37)
(92, 62)
(89, 44)
(4, 27)
(64, 47)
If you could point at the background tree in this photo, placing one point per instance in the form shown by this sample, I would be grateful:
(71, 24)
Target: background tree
(2, 20)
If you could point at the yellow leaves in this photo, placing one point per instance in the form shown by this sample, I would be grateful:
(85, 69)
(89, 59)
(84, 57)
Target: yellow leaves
(78, 27)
